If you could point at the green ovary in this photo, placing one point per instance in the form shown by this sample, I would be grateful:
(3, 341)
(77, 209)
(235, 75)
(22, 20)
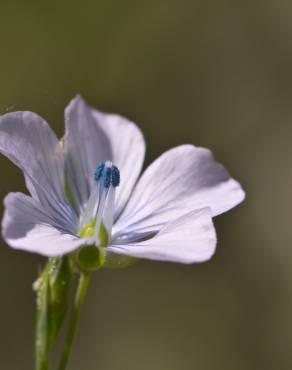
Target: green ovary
(91, 257)
(87, 231)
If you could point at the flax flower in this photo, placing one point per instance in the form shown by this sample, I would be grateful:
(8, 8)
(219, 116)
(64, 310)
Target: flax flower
(86, 190)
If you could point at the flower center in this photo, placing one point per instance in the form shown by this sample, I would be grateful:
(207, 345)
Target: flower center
(97, 218)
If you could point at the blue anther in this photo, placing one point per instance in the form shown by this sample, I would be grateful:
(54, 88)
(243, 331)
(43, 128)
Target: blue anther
(115, 176)
(98, 171)
(107, 175)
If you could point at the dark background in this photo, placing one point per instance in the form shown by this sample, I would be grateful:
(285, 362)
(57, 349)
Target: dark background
(213, 73)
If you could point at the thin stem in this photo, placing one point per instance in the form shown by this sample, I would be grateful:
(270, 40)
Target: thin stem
(79, 298)
(43, 365)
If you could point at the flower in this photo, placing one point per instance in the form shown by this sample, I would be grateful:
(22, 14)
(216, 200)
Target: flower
(86, 190)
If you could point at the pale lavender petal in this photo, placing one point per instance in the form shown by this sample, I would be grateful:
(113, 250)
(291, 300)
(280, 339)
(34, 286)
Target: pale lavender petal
(181, 180)
(28, 141)
(27, 226)
(188, 239)
(93, 137)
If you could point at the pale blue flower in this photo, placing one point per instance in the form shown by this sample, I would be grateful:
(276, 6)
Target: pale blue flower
(89, 183)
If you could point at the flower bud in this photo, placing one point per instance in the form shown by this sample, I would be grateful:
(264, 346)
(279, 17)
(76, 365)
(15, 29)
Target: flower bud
(60, 278)
(53, 290)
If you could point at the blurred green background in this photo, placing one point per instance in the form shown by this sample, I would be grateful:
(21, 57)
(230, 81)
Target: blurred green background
(213, 73)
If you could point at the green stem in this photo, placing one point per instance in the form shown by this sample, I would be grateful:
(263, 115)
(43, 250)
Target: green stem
(43, 365)
(79, 298)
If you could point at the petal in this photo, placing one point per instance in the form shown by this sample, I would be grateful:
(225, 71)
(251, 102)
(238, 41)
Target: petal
(26, 226)
(188, 239)
(28, 141)
(93, 137)
(182, 179)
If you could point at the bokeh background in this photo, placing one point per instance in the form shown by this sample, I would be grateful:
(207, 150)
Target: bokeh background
(214, 73)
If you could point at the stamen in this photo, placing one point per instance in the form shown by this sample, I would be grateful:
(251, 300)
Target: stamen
(98, 172)
(99, 211)
(107, 174)
(115, 176)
